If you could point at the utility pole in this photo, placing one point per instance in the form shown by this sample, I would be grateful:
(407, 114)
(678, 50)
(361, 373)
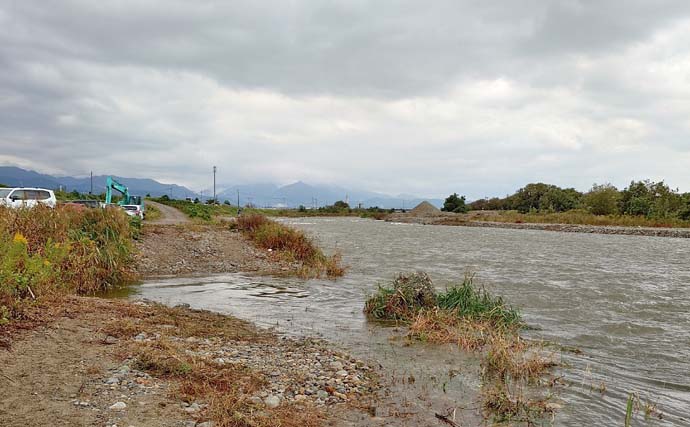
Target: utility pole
(238, 199)
(214, 185)
(91, 190)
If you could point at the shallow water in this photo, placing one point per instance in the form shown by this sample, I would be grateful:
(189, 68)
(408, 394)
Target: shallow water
(622, 300)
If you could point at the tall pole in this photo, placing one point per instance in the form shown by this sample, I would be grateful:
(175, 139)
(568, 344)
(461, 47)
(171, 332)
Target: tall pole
(91, 190)
(214, 185)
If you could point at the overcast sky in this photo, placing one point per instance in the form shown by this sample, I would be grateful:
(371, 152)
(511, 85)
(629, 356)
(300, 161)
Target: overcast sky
(478, 97)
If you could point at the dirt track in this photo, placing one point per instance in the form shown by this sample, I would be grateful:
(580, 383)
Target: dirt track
(169, 215)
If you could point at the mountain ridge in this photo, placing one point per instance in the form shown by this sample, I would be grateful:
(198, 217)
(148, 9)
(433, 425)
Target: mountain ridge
(260, 194)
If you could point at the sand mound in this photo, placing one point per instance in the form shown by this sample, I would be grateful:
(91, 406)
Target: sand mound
(425, 209)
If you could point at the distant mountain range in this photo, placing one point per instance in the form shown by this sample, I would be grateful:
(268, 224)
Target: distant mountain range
(262, 195)
(17, 177)
(300, 193)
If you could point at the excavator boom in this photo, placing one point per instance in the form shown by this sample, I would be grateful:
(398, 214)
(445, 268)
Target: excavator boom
(111, 185)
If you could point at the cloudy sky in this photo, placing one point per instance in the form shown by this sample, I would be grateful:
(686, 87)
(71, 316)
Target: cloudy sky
(478, 97)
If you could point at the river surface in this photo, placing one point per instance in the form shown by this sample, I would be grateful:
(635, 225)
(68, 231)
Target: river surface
(622, 300)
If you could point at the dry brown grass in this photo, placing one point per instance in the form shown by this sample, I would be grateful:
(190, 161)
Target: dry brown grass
(226, 389)
(181, 322)
(290, 245)
(504, 404)
(444, 327)
(511, 357)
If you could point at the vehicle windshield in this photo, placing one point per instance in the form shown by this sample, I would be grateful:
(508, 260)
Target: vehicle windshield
(4, 192)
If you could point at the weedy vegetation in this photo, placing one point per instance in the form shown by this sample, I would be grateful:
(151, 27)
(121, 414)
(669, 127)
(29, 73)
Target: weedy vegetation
(198, 211)
(152, 213)
(471, 317)
(225, 388)
(52, 252)
(291, 245)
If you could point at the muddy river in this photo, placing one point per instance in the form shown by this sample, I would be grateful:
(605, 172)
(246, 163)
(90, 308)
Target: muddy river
(622, 300)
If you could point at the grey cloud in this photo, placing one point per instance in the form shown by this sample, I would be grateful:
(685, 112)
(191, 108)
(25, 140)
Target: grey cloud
(394, 96)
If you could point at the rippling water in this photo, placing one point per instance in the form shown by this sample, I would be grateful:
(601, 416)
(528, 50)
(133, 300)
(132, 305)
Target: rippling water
(622, 300)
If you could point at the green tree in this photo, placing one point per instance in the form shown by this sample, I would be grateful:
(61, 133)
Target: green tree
(455, 203)
(558, 199)
(602, 199)
(651, 199)
(341, 205)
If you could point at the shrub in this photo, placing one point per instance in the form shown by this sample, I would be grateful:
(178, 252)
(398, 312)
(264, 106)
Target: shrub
(455, 203)
(56, 251)
(291, 245)
(408, 295)
(413, 293)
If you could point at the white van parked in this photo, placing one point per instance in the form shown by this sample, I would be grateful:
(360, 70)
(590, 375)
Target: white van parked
(26, 197)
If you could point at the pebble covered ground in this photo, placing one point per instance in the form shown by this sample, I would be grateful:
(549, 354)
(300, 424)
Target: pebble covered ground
(297, 370)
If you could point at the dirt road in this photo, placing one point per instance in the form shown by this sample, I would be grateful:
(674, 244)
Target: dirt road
(169, 215)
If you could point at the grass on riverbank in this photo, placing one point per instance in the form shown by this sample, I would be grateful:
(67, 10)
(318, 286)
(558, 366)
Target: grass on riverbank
(291, 245)
(573, 217)
(475, 320)
(52, 252)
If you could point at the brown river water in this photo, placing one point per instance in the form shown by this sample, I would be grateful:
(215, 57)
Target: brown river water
(622, 300)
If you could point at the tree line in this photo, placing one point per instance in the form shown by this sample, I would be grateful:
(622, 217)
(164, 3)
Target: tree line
(641, 198)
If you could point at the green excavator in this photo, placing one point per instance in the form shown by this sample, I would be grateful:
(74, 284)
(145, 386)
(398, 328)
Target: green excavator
(127, 199)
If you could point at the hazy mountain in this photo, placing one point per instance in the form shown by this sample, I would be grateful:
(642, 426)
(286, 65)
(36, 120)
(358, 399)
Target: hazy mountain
(17, 177)
(301, 193)
(292, 195)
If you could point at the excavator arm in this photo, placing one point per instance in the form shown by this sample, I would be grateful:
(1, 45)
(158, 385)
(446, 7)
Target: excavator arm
(111, 185)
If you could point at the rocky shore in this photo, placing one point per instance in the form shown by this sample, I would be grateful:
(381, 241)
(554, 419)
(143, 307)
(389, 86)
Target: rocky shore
(115, 363)
(78, 361)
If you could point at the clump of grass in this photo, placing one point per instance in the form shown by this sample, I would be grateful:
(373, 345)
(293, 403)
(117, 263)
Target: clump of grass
(511, 357)
(48, 252)
(408, 295)
(476, 303)
(412, 293)
(291, 245)
(475, 320)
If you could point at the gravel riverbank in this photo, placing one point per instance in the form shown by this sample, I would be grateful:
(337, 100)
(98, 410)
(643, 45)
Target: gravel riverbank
(457, 220)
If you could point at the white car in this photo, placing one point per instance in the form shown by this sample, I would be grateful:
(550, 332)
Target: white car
(133, 210)
(27, 197)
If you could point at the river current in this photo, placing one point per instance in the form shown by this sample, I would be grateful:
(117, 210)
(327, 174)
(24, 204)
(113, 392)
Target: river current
(623, 301)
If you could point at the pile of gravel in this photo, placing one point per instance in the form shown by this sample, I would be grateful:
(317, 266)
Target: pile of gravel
(425, 209)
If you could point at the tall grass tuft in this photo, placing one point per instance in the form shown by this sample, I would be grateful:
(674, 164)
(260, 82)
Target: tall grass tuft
(412, 293)
(58, 251)
(470, 317)
(290, 244)
(472, 302)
